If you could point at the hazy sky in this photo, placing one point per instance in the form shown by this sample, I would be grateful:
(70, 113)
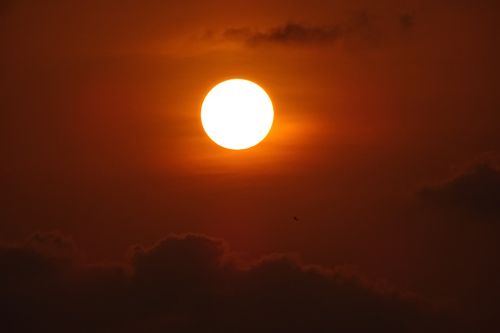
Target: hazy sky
(386, 141)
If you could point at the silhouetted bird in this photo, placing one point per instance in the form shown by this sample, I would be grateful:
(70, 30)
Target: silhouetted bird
(296, 219)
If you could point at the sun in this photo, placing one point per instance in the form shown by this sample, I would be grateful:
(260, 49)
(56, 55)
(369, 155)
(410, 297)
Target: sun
(237, 114)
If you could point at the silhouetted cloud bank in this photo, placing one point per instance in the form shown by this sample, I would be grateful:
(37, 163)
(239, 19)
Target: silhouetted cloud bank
(191, 283)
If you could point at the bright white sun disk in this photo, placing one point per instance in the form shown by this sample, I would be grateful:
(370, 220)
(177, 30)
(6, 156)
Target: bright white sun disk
(237, 114)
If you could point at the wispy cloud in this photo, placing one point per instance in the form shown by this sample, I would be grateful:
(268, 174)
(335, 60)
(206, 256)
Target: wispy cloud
(359, 25)
(286, 34)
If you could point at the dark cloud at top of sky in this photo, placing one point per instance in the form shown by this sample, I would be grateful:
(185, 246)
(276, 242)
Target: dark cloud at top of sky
(288, 33)
(361, 23)
(475, 193)
(191, 284)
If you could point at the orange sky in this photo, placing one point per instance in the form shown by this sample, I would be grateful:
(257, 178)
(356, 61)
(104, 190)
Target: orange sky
(100, 135)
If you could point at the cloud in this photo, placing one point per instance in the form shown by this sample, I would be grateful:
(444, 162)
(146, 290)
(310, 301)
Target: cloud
(193, 283)
(360, 25)
(475, 193)
(290, 33)
(53, 245)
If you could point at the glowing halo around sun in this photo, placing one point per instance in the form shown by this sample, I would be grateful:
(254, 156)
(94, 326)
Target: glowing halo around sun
(237, 114)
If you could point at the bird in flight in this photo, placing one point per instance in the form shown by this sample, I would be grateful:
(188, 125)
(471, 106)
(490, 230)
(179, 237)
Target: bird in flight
(296, 219)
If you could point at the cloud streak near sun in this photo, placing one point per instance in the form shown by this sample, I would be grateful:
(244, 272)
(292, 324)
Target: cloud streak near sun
(361, 24)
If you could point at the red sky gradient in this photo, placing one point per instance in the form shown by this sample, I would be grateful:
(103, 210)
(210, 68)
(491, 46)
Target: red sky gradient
(385, 143)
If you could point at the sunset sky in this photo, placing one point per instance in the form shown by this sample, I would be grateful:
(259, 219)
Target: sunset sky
(385, 146)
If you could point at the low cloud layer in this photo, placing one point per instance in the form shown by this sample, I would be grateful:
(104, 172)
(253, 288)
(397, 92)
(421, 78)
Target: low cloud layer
(191, 283)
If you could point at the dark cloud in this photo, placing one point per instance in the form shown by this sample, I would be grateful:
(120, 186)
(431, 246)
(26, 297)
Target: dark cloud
(53, 244)
(475, 193)
(193, 284)
(286, 34)
(359, 25)
(300, 33)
